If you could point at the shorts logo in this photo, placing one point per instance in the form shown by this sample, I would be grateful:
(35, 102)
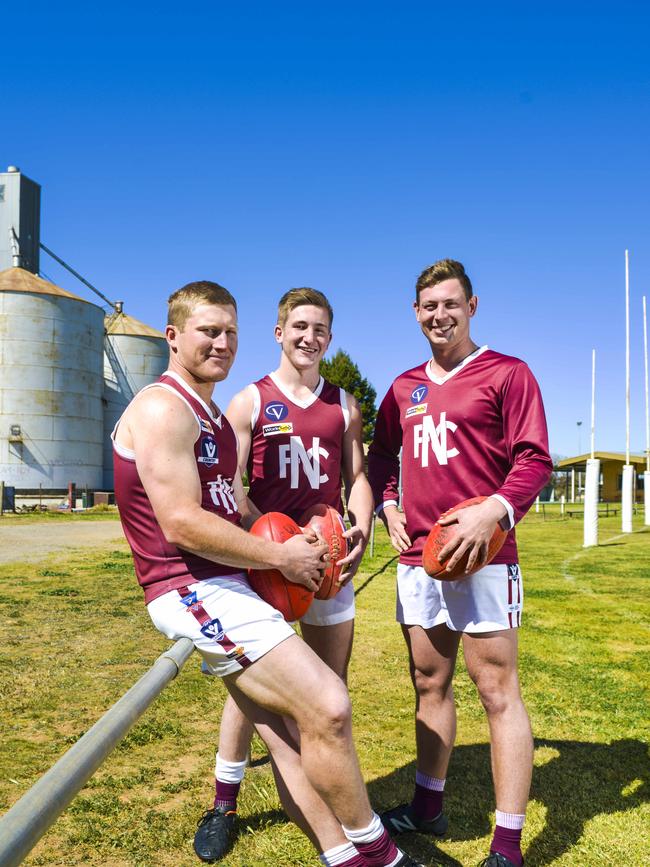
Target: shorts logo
(209, 453)
(206, 427)
(190, 599)
(270, 430)
(513, 571)
(235, 653)
(420, 409)
(276, 411)
(419, 393)
(213, 629)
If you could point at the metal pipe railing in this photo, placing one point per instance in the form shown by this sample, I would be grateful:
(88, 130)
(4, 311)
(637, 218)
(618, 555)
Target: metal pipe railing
(25, 823)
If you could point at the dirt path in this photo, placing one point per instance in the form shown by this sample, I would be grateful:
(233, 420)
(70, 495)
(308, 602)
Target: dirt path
(28, 543)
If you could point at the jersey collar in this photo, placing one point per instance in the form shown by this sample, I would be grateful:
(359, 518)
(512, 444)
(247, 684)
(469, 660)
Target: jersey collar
(303, 404)
(440, 380)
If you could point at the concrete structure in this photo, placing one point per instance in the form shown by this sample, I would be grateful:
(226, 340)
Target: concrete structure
(611, 466)
(134, 356)
(20, 214)
(51, 383)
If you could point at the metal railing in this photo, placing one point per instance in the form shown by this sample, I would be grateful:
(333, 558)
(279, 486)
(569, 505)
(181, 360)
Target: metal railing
(24, 824)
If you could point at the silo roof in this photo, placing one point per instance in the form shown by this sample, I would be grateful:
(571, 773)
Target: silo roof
(19, 280)
(122, 323)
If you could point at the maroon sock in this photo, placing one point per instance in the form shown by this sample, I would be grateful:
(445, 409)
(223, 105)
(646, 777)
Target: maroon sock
(380, 852)
(507, 841)
(226, 795)
(427, 803)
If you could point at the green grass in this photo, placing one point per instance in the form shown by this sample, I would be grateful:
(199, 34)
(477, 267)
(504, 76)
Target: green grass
(74, 635)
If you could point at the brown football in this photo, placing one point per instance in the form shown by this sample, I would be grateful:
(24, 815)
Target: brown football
(329, 524)
(440, 535)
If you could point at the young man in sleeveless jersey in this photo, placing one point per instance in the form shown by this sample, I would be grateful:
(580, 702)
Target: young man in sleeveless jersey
(180, 496)
(469, 422)
(299, 436)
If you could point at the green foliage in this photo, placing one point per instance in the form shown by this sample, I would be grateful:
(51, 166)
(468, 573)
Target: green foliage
(342, 371)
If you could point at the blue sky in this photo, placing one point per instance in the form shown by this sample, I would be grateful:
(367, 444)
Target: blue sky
(347, 146)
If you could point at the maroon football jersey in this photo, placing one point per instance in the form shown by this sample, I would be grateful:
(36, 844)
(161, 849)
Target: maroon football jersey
(480, 430)
(296, 448)
(160, 566)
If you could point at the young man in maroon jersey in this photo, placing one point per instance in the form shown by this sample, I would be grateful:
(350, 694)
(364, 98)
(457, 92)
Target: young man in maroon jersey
(469, 422)
(299, 436)
(180, 493)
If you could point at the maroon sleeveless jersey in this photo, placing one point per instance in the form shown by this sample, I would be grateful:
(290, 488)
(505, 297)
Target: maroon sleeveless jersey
(160, 566)
(296, 448)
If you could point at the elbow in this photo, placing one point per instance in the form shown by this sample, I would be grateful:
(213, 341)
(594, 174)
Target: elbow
(175, 529)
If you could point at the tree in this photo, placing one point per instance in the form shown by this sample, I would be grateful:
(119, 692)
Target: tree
(342, 371)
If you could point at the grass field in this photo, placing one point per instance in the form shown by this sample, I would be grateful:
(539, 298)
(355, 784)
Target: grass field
(74, 635)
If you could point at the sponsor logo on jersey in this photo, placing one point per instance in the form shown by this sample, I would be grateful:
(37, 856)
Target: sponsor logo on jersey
(293, 456)
(271, 430)
(213, 629)
(209, 452)
(420, 409)
(235, 653)
(276, 411)
(419, 393)
(430, 437)
(206, 427)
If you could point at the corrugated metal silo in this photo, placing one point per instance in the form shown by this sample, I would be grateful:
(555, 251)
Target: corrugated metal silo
(51, 419)
(134, 356)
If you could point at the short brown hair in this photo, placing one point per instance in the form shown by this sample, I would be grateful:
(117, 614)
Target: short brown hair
(184, 300)
(297, 298)
(443, 269)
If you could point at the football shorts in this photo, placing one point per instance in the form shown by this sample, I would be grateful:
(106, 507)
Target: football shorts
(229, 624)
(489, 600)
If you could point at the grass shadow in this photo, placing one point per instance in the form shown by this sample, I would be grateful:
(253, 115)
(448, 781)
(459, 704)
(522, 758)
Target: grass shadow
(370, 578)
(579, 781)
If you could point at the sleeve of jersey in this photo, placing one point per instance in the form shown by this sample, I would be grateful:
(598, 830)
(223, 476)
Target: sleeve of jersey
(526, 436)
(383, 455)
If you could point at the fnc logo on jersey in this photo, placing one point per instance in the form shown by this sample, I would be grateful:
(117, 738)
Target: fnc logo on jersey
(276, 411)
(209, 452)
(419, 393)
(294, 455)
(430, 437)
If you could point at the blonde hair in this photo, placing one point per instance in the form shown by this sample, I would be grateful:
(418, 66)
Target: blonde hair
(181, 303)
(443, 269)
(297, 298)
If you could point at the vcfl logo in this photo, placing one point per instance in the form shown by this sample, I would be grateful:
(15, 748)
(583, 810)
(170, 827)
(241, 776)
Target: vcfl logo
(428, 434)
(294, 455)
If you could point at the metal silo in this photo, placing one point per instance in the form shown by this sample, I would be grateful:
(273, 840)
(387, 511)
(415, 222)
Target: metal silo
(51, 419)
(134, 356)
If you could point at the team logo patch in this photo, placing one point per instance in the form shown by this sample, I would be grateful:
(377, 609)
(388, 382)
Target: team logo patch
(213, 629)
(209, 452)
(206, 427)
(276, 411)
(270, 430)
(420, 409)
(419, 393)
(190, 599)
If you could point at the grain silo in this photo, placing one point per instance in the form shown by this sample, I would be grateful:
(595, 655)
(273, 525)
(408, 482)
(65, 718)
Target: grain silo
(51, 418)
(134, 356)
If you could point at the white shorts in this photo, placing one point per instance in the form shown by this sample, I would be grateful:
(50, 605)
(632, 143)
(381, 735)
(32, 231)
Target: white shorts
(229, 624)
(492, 599)
(328, 612)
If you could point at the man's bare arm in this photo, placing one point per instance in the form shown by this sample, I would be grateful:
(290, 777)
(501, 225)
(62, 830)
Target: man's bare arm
(239, 414)
(357, 491)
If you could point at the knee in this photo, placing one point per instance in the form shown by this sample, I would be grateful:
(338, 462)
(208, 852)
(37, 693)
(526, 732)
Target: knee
(333, 716)
(497, 693)
(430, 683)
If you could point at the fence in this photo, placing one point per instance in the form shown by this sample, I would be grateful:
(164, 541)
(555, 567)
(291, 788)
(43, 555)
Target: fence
(25, 823)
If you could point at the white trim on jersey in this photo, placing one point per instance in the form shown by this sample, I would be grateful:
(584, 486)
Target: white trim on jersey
(179, 379)
(508, 508)
(257, 404)
(344, 407)
(180, 397)
(303, 404)
(440, 380)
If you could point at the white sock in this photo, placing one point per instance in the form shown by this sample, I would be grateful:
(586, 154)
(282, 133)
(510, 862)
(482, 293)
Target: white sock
(433, 783)
(365, 835)
(514, 821)
(338, 855)
(229, 772)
